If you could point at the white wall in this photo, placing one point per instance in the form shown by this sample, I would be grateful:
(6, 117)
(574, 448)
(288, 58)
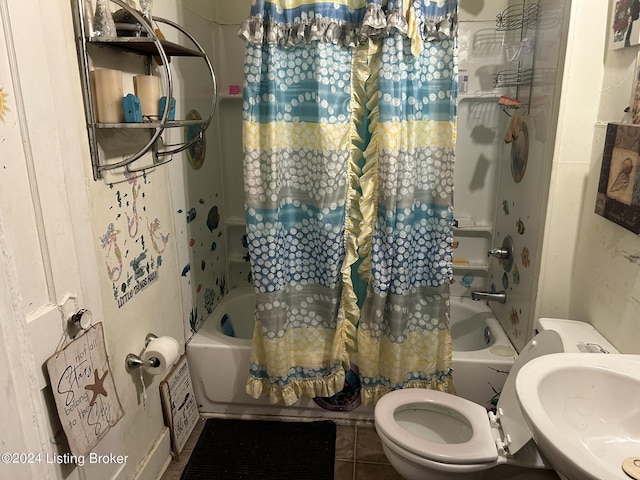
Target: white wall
(590, 268)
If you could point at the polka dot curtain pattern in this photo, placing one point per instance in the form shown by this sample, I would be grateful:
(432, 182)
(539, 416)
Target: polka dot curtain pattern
(349, 128)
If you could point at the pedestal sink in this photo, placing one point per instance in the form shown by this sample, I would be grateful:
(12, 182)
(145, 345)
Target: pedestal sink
(583, 410)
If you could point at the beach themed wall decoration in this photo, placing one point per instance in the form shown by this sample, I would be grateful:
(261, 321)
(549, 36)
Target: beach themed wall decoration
(618, 197)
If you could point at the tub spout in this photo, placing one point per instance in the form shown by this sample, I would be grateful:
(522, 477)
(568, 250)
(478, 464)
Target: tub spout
(500, 297)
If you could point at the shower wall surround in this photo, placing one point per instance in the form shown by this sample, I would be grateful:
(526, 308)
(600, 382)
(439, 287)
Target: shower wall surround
(478, 149)
(492, 188)
(207, 191)
(524, 177)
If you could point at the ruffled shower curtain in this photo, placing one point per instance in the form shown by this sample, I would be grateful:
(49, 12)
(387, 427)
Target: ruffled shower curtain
(349, 133)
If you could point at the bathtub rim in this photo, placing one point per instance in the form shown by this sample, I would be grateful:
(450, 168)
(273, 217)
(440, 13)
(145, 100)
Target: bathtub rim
(210, 331)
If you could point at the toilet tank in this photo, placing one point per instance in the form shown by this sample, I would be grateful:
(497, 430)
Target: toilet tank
(576, 336)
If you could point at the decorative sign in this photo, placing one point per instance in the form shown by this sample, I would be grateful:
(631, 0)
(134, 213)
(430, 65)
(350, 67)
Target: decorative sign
(179, 404)
(618, 196)
(84, 391)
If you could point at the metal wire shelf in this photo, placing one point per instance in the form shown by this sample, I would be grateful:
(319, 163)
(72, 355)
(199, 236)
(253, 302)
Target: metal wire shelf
(513, 77)
(517, 17)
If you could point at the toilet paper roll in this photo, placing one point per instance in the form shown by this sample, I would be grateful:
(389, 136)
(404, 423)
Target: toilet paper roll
(147, 89)
(162, 353)
(107, 86)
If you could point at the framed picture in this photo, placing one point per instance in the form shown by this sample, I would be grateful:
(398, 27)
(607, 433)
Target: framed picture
(618, 197)
(625, 24)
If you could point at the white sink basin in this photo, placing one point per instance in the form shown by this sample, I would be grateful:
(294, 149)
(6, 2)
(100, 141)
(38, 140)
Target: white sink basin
(583, 410)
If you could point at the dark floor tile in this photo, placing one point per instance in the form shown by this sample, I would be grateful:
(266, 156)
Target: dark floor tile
(343, 470)
(369, 446)
(345, 442)
(379, 471)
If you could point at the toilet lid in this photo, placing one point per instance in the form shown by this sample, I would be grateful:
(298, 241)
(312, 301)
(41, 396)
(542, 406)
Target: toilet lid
(510, 415)
(479, 448)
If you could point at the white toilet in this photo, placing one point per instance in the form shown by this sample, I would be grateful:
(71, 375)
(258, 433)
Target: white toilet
(430, 435)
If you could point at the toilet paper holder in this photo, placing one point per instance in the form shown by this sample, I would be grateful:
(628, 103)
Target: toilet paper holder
(133, 361)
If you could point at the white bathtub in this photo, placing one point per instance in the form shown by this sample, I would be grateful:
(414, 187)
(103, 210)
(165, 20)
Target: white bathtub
(219, 364)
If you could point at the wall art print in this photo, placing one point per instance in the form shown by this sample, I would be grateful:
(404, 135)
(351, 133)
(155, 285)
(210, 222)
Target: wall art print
(625, 24)
(635, 104)
(618, 197)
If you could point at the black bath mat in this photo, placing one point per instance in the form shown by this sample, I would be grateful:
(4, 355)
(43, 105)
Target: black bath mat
(263, 450)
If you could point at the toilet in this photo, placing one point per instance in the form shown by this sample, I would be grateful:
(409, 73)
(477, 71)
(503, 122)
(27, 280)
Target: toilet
(430, 435)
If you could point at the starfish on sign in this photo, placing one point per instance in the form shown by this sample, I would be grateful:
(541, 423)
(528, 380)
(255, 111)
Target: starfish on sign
(97, 387)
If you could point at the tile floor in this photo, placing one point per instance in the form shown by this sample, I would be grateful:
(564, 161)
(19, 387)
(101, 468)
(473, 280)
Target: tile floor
(359, 455)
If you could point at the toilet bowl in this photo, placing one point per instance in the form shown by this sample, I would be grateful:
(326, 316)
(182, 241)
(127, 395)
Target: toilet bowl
(431, 435)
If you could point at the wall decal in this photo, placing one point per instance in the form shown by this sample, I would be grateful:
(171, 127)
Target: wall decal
(3, 104)
(191, 215)
(520, 154)
(618, 197)
(130, 257)
(133, 222)
(505, 206)
(520, 226)
(524, 256)
(209, 299)
(467, 280)
(514, 317)
(516, 275)
(109, 241)
(158, 240)
(193, 319)
(505, 280)
(213, 218)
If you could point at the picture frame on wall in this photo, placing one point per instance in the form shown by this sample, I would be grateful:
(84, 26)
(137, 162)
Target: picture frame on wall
(635, 98)
(625, 24)
(618, 197)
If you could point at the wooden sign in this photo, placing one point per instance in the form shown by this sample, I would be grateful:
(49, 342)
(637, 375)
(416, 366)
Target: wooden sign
(179, 404)
(84, 391)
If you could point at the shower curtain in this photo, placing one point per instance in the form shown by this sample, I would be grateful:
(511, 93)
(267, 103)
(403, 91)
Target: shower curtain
(348, 135)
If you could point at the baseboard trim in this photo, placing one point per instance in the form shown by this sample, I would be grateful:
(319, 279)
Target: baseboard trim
(154, 463)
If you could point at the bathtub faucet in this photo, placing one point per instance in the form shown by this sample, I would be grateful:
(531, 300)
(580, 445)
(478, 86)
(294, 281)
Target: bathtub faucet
(500, 297)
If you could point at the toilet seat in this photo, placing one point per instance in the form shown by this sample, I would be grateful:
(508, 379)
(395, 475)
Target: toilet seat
(491, 436)
(479, 448)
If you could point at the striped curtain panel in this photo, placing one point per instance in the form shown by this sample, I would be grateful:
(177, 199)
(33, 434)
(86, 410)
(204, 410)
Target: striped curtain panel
(349, 133)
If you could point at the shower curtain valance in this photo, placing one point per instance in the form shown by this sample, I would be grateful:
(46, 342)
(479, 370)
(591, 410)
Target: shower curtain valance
(348, 23)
